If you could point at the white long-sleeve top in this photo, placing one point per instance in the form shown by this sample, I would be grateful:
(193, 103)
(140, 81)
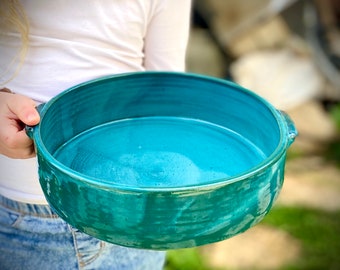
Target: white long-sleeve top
(74, 41)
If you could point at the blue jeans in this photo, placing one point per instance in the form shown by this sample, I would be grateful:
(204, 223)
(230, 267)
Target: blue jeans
(34, 237)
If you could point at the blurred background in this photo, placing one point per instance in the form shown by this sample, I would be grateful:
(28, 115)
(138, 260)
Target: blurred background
(287, 51)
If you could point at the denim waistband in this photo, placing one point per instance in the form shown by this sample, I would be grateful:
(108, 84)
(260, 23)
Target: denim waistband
(28, 209)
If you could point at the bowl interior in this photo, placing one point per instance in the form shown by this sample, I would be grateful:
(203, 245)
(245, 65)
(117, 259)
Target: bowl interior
(159, 130)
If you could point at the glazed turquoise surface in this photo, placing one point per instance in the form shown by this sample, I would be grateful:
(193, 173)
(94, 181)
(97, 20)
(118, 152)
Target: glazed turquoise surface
(161, 160)
(159, 152)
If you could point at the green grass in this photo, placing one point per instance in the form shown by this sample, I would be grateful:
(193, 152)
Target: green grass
(318, 232)
(185, 259)
(333, 151)
(335, 115)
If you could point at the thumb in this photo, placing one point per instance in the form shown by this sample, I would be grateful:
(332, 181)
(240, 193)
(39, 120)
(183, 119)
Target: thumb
(24, 109)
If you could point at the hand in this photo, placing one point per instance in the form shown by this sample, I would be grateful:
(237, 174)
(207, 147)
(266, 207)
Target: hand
(16, 111)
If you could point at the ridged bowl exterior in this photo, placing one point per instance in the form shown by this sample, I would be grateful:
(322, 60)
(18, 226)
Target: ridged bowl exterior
(171, 217)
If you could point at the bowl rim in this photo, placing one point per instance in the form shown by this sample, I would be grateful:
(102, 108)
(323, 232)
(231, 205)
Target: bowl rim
(284, 141)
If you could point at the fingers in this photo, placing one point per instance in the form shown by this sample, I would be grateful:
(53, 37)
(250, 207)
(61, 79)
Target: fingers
(20, 147)
(16, 111)
(24, 109)
(16, 144)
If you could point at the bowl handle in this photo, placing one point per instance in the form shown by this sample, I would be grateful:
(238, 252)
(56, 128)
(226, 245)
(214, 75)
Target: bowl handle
(29, 129)
(292, 131)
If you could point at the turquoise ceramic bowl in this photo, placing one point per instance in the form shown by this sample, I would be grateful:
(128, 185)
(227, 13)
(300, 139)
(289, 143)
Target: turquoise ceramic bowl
(161, 160)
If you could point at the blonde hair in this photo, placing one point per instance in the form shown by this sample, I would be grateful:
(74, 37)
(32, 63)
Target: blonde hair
(13, 18)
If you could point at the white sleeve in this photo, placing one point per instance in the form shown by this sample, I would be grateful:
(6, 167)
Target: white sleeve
(167, 36)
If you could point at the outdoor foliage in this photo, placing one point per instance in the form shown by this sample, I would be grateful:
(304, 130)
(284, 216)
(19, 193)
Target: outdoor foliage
(318, 232)
(185, 259)
(333, 151)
